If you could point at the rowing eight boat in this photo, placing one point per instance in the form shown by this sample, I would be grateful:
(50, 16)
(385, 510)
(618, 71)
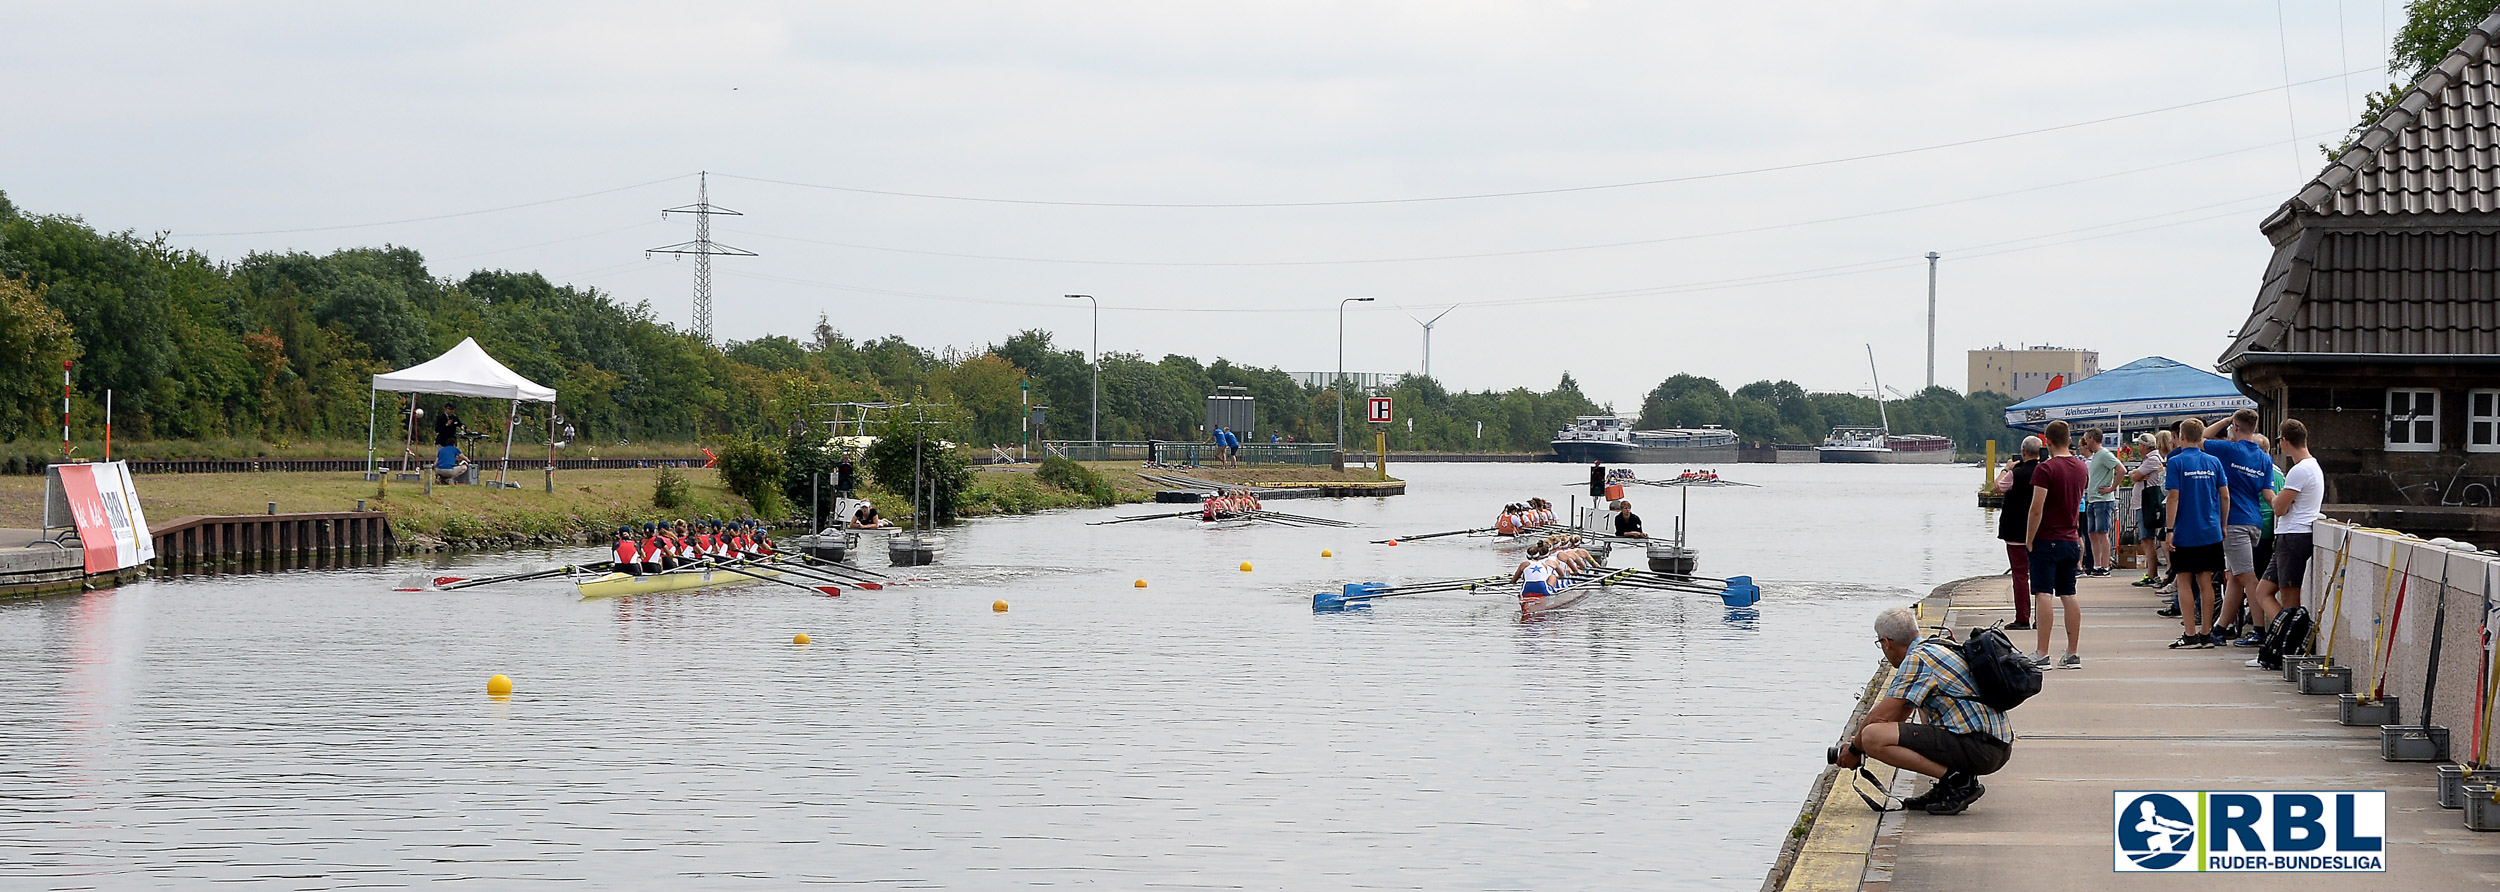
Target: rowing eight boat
(620, 585)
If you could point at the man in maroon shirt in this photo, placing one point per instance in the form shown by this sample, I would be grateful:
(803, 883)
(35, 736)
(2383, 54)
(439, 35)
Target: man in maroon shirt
(2056, 544)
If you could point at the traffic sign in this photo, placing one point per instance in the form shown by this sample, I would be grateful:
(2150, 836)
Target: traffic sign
(1380, 410)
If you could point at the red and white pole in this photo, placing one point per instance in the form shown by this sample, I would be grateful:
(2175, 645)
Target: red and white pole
(65, 410)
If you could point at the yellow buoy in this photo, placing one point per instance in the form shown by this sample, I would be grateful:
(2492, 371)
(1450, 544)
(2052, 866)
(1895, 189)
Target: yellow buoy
(1326, 553)
(1141, 583)
(499, 686)
(1245, 566)
(800, 638)
(998, 606)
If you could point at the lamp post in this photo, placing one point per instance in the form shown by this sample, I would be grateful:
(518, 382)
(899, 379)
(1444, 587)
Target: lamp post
(1093, 433)
(1932, 257)
(1340, 382)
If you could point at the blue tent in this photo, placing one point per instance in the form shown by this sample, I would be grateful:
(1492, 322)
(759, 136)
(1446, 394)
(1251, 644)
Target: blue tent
(2148, 393)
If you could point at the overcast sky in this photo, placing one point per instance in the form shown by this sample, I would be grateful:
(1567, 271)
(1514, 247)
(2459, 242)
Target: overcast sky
(245, 127)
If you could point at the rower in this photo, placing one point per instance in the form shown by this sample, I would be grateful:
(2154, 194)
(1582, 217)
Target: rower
(1508, 523)
(1535, 576)
(628, 554)
(654, 549)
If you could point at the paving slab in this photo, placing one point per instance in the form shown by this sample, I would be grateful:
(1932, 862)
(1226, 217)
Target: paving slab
(2139, 715)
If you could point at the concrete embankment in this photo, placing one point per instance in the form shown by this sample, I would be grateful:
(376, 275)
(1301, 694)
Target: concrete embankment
(2142, 716)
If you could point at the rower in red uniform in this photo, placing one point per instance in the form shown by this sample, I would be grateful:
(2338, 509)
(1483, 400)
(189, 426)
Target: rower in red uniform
(628, 553)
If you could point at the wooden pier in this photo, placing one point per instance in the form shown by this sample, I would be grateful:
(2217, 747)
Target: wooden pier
(237, 537)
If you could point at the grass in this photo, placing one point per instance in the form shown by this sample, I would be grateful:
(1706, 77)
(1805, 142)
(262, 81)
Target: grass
(388, 449)
(585, 502)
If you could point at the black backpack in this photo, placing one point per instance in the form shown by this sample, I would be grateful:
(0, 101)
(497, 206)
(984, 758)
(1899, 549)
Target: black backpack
(2004, 675)
(2288, 634)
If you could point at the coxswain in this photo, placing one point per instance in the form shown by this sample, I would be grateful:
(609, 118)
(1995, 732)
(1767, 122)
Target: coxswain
(1508, 523)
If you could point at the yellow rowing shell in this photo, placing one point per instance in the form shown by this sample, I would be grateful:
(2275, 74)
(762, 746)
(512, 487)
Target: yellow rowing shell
(619, 585)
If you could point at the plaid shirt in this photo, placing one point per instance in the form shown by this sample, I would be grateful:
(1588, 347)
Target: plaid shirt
(1934, 679)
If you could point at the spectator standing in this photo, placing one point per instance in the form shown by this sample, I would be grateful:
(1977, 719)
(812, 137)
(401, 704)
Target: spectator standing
(2249, 475)
(2056, 544)
(446, 427)
(1961, 738)
(2147, 475)
(2198, 500)
(2296, 507)
(2014, 525)
(2100, 500)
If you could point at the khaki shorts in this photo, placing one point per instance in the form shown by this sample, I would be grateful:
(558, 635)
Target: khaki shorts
(1974, 752)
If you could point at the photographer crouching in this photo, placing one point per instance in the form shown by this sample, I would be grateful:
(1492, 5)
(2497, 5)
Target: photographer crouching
(1961, 737)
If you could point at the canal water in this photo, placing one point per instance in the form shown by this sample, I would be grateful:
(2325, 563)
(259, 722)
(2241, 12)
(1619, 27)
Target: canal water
(315, 729)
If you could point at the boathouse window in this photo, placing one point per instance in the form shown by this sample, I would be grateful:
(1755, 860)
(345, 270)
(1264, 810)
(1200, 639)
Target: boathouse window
(2412, 420)
(2482, 421)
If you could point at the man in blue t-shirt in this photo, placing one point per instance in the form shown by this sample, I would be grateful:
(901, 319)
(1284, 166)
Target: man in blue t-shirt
(2250, 472)
(450, 465)
(2198, 501)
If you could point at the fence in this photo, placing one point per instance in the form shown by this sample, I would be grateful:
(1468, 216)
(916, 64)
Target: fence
(2389, 645)
(252, 465)
(1192, 453)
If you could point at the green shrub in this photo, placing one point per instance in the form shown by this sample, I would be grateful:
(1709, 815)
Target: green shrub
(752, 468)
(1067, 475)
(944, 468)
(668, 490)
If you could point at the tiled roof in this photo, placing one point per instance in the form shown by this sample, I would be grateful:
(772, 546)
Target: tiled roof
(2399, 292)
(2395, 246)
(2436, 151)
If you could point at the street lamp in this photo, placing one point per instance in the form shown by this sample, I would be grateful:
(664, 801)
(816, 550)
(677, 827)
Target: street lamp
(1093, 433)
(1340, 384)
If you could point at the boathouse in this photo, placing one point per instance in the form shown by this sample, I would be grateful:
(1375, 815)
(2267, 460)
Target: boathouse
(2377, 323)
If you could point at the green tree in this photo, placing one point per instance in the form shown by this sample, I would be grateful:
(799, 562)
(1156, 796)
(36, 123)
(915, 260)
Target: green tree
(2432, 29)
(905, 442)
(34, 340)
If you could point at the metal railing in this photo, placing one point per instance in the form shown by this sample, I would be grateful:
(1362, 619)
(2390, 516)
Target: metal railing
(1174, 452)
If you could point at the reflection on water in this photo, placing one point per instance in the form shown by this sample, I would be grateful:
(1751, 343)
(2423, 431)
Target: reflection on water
(314, 728)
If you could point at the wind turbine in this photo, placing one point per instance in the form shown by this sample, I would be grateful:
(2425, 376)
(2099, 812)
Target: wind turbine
(1428, 336)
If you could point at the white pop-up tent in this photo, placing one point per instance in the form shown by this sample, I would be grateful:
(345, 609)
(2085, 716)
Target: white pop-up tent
(464, 370)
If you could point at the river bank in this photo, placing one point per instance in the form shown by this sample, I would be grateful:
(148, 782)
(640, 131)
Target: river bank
(585, 506)
(2141, 716)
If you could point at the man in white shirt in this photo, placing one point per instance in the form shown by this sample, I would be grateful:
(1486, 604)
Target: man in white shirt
(2295, 514)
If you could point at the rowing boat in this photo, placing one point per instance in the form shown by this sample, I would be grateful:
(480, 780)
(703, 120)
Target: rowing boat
(621, 585)
(1531, 605)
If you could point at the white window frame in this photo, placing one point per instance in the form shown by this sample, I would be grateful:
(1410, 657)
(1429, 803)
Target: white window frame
(2411, 445)
(2483, 424)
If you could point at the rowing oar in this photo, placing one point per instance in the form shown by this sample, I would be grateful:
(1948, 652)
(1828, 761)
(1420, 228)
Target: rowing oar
(450, 583)
(1146, 517)
(731, 567)
(841, 568)
(1432, 535)
(834, 572)
(1304, 518)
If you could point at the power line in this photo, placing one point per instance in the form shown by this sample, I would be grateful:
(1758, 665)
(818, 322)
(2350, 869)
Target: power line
(1523, 251)
(492, 210)
(1553, 191)
(1975, 251)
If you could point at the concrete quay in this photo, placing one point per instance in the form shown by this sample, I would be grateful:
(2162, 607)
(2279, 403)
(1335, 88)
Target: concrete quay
(2137, 716)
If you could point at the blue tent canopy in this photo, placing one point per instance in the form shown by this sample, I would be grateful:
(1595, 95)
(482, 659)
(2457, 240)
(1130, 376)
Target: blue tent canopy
(2148, 393)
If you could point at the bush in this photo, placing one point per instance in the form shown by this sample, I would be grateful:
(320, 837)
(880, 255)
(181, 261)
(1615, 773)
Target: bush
(806, 463)
(668, 490)
(943, 467)
(752, 469)
(1067, 475)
